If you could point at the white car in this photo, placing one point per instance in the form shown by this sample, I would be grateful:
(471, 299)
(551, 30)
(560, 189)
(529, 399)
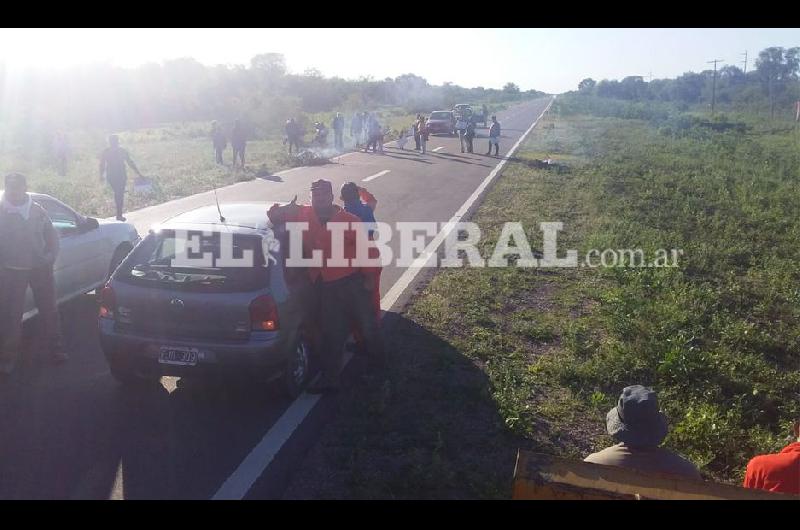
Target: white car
(90, 250)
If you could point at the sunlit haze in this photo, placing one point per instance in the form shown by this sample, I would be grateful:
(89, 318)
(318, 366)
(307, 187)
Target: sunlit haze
(552, 60)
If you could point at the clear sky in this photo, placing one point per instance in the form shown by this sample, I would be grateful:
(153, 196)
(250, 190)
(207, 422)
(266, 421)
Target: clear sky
(552, 60)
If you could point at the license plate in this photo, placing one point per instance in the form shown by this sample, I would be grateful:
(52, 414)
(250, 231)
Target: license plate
(178, 355)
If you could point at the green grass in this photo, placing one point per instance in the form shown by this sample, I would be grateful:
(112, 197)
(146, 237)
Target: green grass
(177, 156)
(718, 337)
(487, 361)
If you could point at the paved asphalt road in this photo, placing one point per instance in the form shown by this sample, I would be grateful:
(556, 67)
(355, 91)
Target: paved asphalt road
(71, 431)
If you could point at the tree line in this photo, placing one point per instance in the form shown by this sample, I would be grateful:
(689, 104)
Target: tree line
(263, 93)
(773, 86)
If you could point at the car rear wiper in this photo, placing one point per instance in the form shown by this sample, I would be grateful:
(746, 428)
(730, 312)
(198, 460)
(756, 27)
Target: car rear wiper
(206, 279)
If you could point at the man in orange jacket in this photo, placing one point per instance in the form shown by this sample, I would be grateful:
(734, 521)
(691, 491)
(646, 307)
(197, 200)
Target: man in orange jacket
(341, 293)
(778, 472)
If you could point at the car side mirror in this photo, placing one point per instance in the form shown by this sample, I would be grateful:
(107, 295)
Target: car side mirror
(89, 224)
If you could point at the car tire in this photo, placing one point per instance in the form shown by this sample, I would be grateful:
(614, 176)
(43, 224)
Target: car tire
(296, 370)
(119, 254)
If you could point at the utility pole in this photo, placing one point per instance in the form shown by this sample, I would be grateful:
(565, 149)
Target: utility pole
(745, 61)
(714, 85)
(650, 76)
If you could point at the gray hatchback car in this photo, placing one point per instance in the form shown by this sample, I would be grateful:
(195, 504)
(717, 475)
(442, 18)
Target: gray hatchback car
(180, 304)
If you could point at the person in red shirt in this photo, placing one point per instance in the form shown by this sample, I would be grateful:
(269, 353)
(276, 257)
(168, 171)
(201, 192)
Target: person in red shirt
(341, 293)
(779, 472)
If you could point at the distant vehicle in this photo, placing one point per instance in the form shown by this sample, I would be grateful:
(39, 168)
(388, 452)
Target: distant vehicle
(158, 317)
(478, 116)
(442, 122)
(90, 250)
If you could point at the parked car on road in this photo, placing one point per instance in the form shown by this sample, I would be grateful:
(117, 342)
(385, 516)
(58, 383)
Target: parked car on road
(442, 122)
(163, 316)
(90, 250)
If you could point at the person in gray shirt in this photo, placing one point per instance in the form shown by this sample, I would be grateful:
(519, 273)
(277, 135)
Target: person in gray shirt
(28, 248)
(639, 427)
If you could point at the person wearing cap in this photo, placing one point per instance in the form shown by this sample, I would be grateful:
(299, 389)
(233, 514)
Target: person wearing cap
(779, 472)
(494, 137)
(28, 249)
(341, 294)
(639, 428)
(112, 167)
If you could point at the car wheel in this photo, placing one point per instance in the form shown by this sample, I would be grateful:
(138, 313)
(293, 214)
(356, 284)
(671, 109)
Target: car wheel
(295, 374)
(119, 255)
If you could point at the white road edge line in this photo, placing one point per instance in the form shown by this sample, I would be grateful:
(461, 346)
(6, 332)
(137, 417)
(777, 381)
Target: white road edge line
(240, 482)
(260, 457)
(438, 149)
(254, 464)
(391, 297)
(376, 175)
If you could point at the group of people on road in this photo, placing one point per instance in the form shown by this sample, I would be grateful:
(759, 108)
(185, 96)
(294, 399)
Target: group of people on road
(638, 427)
(367, 131)
(340, 299)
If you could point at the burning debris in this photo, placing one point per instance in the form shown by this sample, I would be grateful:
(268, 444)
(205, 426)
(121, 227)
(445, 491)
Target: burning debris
(308, 157)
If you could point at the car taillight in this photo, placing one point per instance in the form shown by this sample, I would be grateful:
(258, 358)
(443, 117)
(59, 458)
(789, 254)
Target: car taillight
(263, 314)
(108, 302)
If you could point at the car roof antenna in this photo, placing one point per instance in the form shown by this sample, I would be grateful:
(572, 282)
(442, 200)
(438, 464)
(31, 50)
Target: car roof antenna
(221, 217)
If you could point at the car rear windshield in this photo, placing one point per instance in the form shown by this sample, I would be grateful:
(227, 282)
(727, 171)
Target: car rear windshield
(200, 268)
(440, 116)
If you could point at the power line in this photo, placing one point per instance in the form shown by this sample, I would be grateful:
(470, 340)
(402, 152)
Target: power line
(714, 85)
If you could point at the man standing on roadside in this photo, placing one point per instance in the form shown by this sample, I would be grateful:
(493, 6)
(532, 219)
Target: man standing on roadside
(494, 137)
(416, 132)
(293, 134)
(356, 126)
(342, 294)
(361, 203)
(112, 167)
(461, 128)
(422, 127)
(61, 152)
(469, 135)
(219, 141)
(28, 249)
(338, 132)
(238, 142)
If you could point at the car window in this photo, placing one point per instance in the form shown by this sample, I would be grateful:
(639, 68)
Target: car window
(440, 116)
(152, 263)
(64, 220)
